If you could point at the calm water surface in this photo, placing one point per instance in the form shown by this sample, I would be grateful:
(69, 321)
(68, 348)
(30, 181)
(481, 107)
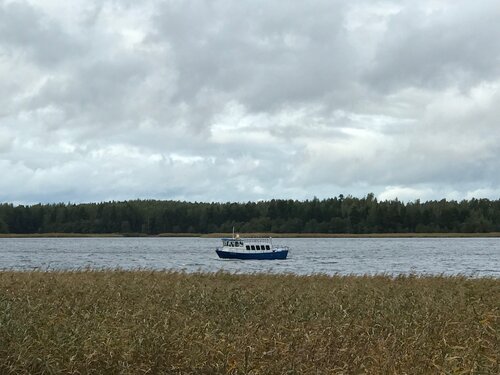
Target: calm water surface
(451, 256)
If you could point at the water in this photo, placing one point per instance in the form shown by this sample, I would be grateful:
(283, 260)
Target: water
(451, 256)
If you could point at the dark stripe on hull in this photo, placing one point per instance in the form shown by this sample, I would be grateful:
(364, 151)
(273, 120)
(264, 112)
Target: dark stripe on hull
(281, 254)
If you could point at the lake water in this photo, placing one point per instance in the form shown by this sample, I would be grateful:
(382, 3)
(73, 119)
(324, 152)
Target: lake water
(451, 256)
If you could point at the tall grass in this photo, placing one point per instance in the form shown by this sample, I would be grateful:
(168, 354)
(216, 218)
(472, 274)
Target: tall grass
(133, 322)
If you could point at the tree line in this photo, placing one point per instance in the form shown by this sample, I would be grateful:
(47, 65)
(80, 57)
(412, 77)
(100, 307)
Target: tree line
(333, 215)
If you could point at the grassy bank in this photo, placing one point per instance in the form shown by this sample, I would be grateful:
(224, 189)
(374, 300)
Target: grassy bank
(357, 235)
(57, 235)
(275, 235)
(139, 322)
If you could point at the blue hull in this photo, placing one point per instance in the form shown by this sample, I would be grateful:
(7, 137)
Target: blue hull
(279, 254)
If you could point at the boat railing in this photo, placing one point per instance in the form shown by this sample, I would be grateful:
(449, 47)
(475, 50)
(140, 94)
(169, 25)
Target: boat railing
(255, 240)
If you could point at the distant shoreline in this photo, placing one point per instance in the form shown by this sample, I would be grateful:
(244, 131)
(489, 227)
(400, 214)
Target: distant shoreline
(275, 235)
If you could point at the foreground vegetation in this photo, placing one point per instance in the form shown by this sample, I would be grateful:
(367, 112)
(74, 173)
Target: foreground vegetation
(133, 322)
(335, 215)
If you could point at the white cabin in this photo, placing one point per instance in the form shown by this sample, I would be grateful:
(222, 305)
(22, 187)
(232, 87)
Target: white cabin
(247, 244)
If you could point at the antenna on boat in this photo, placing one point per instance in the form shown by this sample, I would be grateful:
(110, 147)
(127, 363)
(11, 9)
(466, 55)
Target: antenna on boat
(233, 232)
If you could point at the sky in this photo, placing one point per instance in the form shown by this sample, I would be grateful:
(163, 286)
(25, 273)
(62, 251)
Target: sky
(226, 100)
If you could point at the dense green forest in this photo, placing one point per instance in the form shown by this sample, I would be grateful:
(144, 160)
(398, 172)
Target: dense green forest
(334, 215)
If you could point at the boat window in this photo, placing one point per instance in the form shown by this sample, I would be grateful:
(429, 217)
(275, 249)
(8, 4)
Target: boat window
(257, 247)
(253, 247)
(236, 244)
(231, 244)
(248, 247)
(241, 243)
(268, 247)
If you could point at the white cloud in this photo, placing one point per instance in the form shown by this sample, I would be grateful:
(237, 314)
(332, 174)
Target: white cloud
(406, 194)
(229, 100)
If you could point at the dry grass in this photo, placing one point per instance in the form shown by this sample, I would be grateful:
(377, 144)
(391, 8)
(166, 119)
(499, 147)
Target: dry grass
(353, 235)
(253, 235)
(57, 235)
(133, 322)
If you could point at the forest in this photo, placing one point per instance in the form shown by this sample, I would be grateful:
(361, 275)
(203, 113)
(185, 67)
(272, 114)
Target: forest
(333, 215)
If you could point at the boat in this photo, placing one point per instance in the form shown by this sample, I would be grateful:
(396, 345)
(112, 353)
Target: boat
(251, 248)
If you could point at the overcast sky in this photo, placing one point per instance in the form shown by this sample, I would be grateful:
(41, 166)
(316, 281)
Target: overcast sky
(247, 100)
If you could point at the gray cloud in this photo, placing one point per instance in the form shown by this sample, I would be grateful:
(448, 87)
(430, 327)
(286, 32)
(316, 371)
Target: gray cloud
(264, 55)
(227, 100)
(455, 45)
(26, 31)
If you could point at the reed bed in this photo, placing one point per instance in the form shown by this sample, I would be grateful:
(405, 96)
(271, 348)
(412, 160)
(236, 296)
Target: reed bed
(138, 322)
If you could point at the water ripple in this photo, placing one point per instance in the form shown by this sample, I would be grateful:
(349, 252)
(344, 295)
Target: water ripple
(475, 257)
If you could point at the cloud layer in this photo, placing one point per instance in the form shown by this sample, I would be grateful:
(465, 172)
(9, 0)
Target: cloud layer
(224, 100)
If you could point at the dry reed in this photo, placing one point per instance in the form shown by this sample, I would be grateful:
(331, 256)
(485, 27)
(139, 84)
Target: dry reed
(133, 322)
